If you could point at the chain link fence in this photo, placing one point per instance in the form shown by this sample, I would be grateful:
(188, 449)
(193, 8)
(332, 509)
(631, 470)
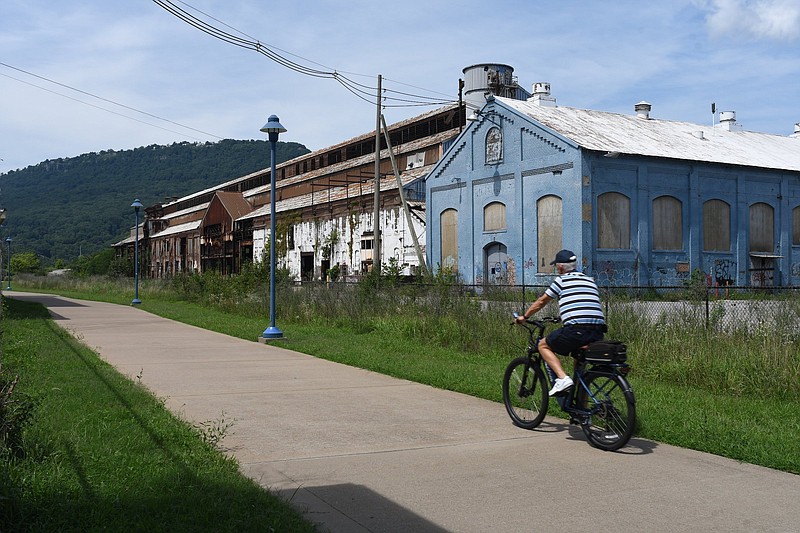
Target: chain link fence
(727, 309)
(721, 308)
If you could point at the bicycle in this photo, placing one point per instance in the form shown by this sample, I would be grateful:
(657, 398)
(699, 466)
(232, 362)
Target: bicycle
(601, 400)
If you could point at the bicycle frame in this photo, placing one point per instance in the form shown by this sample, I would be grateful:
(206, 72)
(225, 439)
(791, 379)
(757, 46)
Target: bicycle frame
(566, 401)
(601, 400)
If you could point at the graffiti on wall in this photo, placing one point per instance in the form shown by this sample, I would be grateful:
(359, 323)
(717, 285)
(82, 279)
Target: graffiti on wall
(724, 272)
(512, 271)
(611, 273)
(500, 273)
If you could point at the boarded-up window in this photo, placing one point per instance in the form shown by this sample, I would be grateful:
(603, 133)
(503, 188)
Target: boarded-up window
(448, 221)
(667, 223)
(762, 228)
(796, 226)
(716, 226)
(613, 221)
(494, 217)
(549, 230)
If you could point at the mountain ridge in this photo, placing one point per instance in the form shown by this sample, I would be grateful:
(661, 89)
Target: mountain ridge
(67, 207)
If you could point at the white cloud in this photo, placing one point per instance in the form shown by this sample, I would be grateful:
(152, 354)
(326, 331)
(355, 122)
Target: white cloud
(762, 19)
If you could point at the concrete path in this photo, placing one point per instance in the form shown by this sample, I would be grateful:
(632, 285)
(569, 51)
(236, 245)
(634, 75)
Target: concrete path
(362, 452)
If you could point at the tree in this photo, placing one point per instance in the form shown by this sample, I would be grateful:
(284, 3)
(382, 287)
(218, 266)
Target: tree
(25, 262)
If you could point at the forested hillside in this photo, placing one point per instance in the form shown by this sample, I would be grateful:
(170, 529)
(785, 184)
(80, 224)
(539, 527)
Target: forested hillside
(80, 205)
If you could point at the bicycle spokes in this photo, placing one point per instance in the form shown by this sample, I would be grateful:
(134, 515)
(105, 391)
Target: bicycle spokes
(611, 410)
(524, 393)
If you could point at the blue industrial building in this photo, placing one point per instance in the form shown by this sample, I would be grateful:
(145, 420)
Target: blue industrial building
(640, 200)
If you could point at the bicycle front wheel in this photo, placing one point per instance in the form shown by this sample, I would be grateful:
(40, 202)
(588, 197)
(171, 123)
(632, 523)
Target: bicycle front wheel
(612, 406)
(525, 393)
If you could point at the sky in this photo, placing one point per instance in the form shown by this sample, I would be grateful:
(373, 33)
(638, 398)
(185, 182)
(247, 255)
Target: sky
(80, 76)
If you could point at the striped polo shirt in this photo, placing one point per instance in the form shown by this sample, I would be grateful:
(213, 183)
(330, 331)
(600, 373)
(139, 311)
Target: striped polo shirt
(578, 299)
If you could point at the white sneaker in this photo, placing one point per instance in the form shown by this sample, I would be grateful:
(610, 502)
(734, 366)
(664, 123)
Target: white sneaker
(561, 384)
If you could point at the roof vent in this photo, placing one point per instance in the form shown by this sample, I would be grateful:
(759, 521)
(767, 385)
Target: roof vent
(699, 134)
(727, 121)
(796, 133)
(541, 95)
(643, 109)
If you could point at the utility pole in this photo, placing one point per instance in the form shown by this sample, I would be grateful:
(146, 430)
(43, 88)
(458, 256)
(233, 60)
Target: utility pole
(376, 226)
(409, 218)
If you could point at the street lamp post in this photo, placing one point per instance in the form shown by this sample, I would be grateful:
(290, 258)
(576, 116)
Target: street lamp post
(8, 242)
(272, 128)
(136, 205)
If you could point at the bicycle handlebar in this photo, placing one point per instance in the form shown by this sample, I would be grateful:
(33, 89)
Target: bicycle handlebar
(540, 323)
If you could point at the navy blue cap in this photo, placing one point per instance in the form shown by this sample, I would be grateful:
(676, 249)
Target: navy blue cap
(564, 256)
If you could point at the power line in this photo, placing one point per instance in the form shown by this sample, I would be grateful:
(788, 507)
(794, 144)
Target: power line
(102, 99)
(107, 110)
(243, 40)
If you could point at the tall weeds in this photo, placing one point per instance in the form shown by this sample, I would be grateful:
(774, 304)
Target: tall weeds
(738, 347)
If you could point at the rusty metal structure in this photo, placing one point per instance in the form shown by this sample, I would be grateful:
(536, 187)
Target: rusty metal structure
(324, 208)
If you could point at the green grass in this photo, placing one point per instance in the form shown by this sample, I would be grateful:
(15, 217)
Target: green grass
(735, 395)
(102, 454)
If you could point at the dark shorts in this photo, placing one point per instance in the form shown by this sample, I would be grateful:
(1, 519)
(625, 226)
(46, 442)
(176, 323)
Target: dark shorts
(565, 340)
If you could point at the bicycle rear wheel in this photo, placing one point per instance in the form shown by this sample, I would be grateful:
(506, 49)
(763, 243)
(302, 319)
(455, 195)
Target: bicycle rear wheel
(612, 406)
(525, 393)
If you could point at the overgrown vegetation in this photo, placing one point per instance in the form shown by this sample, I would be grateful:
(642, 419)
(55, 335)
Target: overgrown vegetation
(728, 385)
(99, 453)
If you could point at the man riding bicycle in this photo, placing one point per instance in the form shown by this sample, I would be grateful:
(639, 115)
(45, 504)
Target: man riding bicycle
(580, 311)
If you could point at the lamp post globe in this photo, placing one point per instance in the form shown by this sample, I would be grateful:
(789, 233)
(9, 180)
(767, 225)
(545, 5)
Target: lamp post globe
(272, 128)
(8, 242)
(136, 205)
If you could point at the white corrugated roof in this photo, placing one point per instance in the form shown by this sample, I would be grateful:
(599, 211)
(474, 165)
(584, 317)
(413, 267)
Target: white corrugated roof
(180, 228)
(128, 240)
(182, 212)
(629, 134)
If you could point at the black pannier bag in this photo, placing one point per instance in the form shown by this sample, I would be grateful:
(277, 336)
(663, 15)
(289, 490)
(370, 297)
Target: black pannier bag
(607, 351)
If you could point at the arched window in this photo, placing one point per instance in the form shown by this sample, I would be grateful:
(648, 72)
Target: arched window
(667, 223)
(762, 228)
(716, 226)
(448, 223)
(549, 225)
(494, 146)
(494, 217)
(613, 221)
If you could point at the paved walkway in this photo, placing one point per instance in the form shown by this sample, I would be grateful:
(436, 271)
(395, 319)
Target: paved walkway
(358, 451)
